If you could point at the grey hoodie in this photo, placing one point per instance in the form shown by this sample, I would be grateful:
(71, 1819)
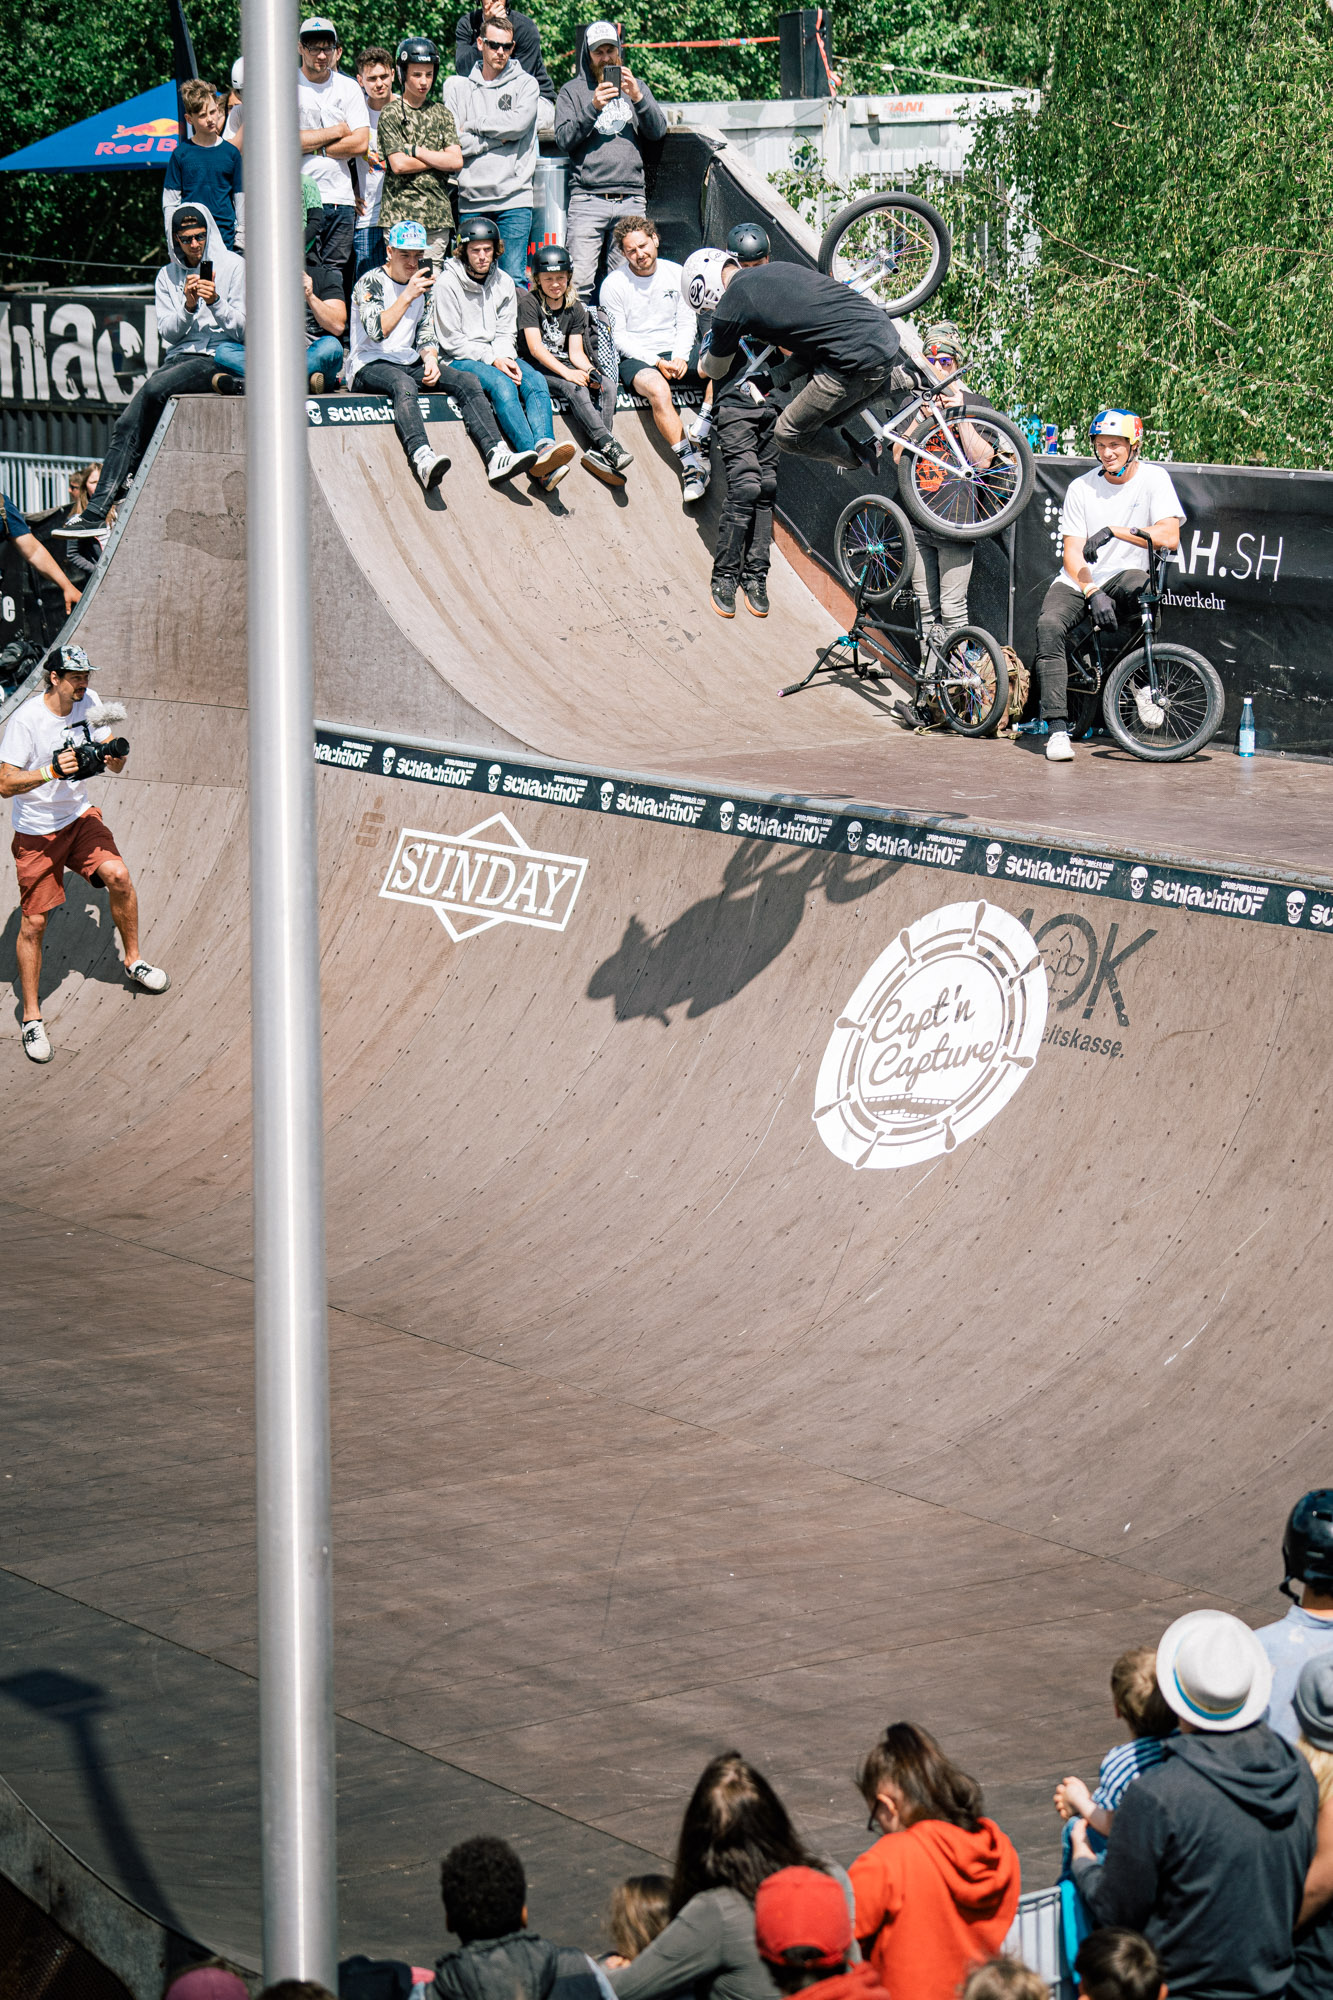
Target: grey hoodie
(497, 129)
(605, 147)
(199, 332)
(1207, 1857)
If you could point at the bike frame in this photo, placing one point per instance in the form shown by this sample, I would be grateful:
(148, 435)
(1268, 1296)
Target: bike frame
(1123, 641)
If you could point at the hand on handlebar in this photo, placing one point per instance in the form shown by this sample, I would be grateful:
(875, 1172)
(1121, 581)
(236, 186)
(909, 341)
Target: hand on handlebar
(1103, 611)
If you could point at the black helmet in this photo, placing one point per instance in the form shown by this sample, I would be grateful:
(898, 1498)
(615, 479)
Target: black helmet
(478, 229)
(552, 257)
(1307, 1545)
(416, 49)
(748, 243)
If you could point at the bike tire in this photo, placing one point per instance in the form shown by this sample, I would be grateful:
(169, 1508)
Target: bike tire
(978, 699)
(956, 509)
(874, 536)
(896, 236)
(1192, 700)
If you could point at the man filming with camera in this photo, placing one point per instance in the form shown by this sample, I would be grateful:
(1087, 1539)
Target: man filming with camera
(49, 747)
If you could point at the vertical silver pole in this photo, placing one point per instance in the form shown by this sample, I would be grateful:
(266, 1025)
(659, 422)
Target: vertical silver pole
(291, 1372)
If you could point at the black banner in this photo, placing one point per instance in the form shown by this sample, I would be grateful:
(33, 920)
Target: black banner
(75, 350)
(1251, 589)
(888, 836)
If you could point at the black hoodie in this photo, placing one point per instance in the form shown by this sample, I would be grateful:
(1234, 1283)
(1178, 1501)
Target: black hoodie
(1207, 1857)
(520, 1966)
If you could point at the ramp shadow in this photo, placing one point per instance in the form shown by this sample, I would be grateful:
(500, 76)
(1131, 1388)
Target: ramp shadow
(713, 950)
(80, 937)
(78, 1706)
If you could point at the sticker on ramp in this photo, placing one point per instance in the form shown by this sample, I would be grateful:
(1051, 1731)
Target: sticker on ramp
(935, 1040)
(486, 876)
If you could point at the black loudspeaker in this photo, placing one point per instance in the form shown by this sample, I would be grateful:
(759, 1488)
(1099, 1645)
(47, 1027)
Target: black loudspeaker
(802, 66)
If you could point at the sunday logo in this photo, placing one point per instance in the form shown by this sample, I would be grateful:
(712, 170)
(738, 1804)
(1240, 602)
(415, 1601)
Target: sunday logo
(486, 876)
(935, 1040)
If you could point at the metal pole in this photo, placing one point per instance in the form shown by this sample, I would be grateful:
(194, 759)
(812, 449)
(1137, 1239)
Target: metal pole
(291, 1357)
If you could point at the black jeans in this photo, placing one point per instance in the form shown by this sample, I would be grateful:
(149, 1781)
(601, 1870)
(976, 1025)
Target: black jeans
(807, 423)
(403, 386)
(592, 418)
(747, 438)
(138, 420)
(1063, 607)
(331, 239)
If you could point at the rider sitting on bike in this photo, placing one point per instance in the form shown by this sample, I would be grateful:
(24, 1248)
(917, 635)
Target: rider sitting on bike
(1103, 568)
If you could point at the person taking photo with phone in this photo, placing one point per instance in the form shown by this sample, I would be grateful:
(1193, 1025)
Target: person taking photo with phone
(50, 745)
(604, 117)
(200, 300)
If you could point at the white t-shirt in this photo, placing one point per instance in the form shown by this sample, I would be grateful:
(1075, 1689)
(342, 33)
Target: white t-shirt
(1093, 501)
(337, 102)
(372, 177)
(373, 293)
(32, 737)
(235, 122)
(648, 315)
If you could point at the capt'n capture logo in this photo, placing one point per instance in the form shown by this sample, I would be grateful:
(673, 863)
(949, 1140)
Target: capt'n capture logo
(935, 1040)
(486, 876)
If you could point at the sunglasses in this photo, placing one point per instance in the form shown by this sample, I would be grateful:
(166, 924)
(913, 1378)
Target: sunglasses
(496, 45)
(192, 236)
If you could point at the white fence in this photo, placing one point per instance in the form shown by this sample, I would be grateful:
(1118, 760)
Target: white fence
(34, 483)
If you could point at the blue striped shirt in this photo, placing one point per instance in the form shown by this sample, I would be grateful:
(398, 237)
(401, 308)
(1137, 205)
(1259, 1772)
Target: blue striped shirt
(1122, 1765)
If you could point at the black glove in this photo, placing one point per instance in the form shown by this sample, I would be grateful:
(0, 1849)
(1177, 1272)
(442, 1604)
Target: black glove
(1103, 611)
(1095, 543)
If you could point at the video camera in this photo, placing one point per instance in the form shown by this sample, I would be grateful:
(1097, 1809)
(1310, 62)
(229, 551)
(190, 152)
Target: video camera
(92, 756)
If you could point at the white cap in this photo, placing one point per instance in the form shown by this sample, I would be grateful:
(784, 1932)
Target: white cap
(1213, 1671)
(316, 24)
(601, 32)
(238, 73)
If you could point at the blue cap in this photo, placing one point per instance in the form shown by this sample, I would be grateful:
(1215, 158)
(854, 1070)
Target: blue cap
(407, 236)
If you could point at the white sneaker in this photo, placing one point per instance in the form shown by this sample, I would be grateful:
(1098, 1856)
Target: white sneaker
(36, 1046)
(504, 463)
(1059, 749)
(694, 475)
(1151, 713)
(151, 977)
(430, 468)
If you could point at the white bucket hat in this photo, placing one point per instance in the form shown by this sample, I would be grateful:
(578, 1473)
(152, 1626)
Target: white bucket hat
(1213, 1672)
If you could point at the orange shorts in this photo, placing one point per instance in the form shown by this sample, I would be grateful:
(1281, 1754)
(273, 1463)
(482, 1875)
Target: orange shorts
(42, 859)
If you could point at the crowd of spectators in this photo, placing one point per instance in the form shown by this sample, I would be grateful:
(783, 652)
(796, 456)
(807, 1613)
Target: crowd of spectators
(418, 183)
(1201, 1866)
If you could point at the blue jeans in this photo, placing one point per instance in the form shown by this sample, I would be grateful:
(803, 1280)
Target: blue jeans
(323, 357)
(523, 412)
(515, 227)
(367, 251)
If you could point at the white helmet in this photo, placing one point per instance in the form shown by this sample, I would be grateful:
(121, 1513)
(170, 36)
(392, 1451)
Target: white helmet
(701, 279)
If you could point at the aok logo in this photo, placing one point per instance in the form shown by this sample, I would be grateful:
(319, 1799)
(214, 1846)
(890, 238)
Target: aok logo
(486, 876)
(935, 1040)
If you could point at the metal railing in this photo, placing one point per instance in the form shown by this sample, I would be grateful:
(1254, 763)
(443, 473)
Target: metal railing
(35, 483)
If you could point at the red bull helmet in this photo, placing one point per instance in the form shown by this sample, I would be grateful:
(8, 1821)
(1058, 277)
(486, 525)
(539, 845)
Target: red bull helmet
(1118, 424)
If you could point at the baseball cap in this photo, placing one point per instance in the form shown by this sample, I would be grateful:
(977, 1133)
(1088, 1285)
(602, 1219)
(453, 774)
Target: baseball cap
(407, 235)
(601, 32)
(73, 660)
(315, 24)
(238, 73)
(1213, 1672)
(800, 1910)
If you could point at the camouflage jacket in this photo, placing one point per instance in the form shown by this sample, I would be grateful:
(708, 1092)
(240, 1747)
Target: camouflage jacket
(423, 197)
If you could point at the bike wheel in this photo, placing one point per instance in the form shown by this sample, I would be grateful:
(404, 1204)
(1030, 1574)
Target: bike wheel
(1189, 704)
(1084, 708)
(973, 683)
(891, 247)
(874, 539)
(967, 505)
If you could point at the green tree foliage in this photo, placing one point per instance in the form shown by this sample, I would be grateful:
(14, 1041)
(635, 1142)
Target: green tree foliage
(1157, 236)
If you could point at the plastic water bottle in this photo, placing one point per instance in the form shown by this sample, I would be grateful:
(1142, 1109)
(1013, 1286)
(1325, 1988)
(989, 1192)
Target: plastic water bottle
(1245, 740)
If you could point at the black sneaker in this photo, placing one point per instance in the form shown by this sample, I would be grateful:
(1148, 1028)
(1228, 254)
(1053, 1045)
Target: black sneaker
(755, 590)
(724, 596)
(83, 524)
(226, 384)
(617, 457)
(866, 451)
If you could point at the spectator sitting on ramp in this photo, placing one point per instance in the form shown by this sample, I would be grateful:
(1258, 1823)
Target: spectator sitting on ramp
(476, 325)
(553, 326)
(803, 1931)
(485, 1893)
(603, 126)
(47, 750)
(653, 326)
(745, 420)
(395, 354)
(1209, 1850)
(1307, 1629)
(195, 316)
